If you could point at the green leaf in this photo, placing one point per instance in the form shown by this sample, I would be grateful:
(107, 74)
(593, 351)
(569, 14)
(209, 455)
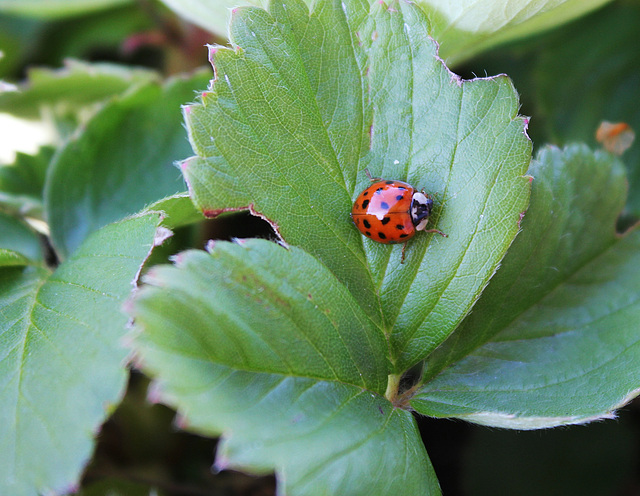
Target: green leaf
(18, 36)
(92, 182)
(22, 183)
(98, 33)
(463, 29)
(265, 345)
(62, 362)
(72, 88)
(212, 16)
(10, 258)
(178, 210)
(55, 8)
(603, 83)
(288, 129)
(309, 324)
(559, 320)
(17, 236)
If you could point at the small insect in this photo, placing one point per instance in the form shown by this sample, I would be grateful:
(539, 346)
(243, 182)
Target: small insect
(392, 212)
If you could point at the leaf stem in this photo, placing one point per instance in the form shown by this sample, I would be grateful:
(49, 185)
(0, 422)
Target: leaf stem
(393, 385)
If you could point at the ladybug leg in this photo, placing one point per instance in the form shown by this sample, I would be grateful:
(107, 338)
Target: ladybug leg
(436, 231)
(404, 247)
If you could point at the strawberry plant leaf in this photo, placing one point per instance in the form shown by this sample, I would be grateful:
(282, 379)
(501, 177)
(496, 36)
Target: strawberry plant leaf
(212, 16)
(463, 29)
(17, 236)
(560, 317)
(178, 210)
(288, 132)
(77, 85)
(295, 170)
(604, 86)
(266, 345)
(22, 183)
(466, 28)
(92, 183)
(10, 258)
(62, 362)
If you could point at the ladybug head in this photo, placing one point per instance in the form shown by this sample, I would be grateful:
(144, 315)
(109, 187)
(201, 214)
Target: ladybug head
(421, 206)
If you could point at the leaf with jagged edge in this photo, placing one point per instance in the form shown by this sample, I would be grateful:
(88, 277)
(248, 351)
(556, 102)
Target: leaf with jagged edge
(463, 28)
(303, 103)
(62, 362)
(16, 235)
(93, 182)
(72, 88)
(554, 338)
(22, 183)
(264, 345)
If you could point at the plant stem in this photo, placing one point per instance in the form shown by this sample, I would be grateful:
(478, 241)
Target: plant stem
(393, 384)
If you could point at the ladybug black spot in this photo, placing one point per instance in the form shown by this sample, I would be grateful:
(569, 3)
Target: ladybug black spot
(365, 193)
(378, 191)
(404, 235)
(368, 233)
(388, 182)
(381, 235)
(399, 227)
(365, 203)
(384, 205)
(386, 220)
(366, 223)
(399, 197)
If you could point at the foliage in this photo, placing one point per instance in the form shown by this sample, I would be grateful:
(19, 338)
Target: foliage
(315, 353)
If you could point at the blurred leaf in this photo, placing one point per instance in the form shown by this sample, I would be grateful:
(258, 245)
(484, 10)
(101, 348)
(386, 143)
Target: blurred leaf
(71, 88)
(465, 28)
(94, 36)
(93, 182)
(287, 131)
(18, 37)
(22, 183)
(55, 8)
(10, 258)
(603, 83)
(264, 344)
(462, 28)
(26, 177)
(17, 236)
(553, 339)
(62, 362)
(212, 16)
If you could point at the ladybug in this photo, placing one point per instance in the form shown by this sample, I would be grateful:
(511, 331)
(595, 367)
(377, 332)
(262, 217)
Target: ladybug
(392, 212)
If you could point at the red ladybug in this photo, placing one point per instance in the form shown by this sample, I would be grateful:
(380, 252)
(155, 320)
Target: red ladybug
(392, 212)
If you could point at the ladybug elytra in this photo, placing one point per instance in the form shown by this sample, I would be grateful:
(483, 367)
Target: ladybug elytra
(392, 212)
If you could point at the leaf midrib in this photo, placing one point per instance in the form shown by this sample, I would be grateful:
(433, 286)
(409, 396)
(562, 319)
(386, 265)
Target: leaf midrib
(358, 255)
